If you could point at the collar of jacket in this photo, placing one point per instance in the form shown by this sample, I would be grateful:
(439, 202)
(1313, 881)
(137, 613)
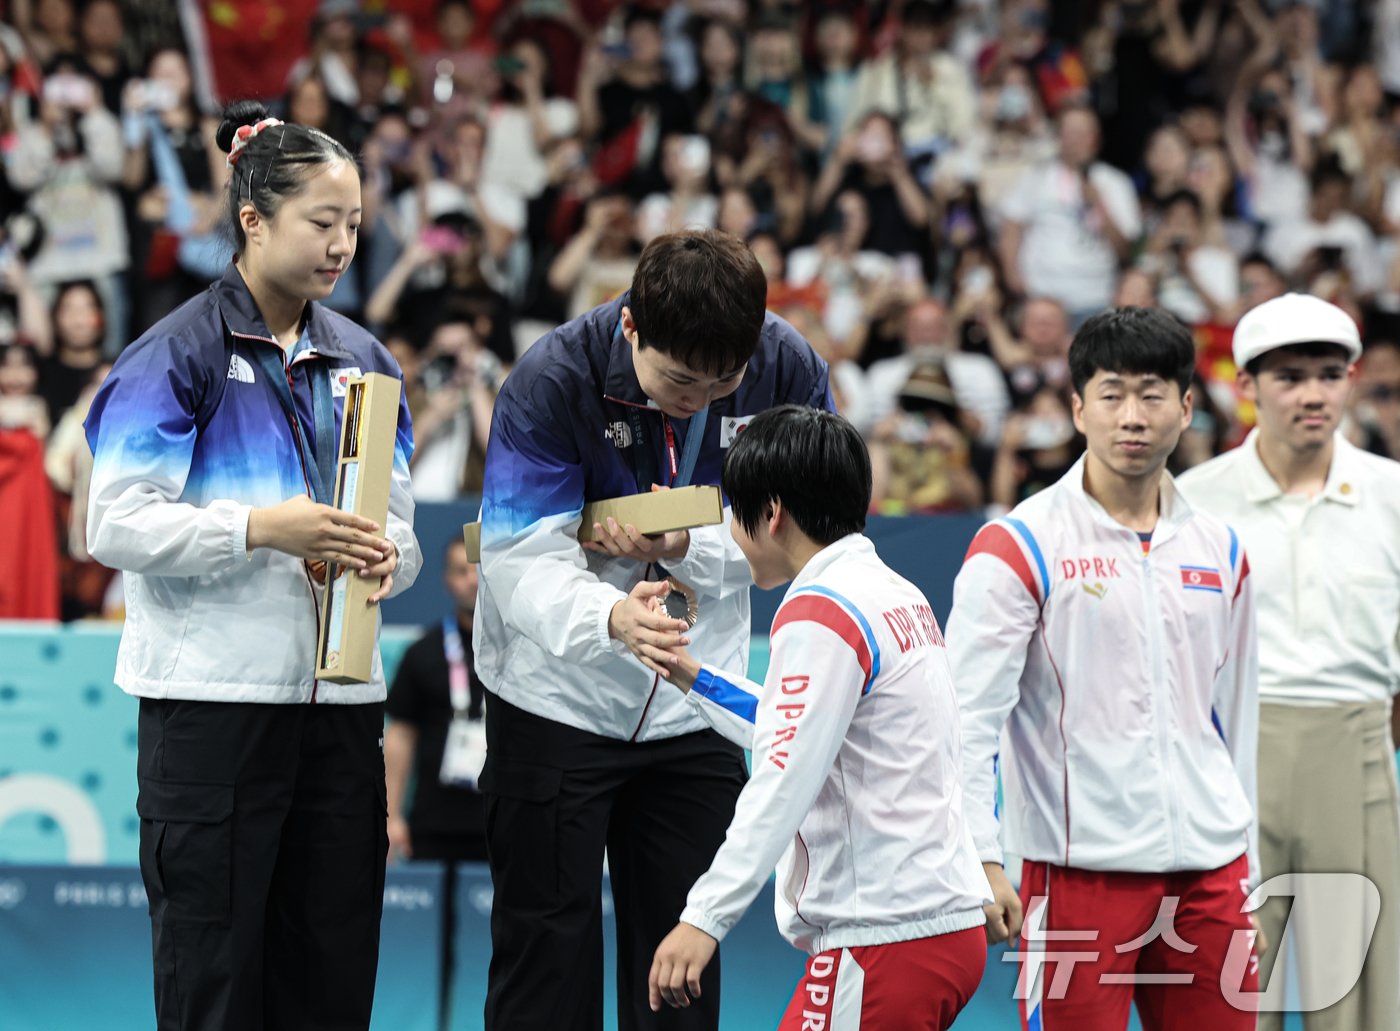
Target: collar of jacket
(241, 315)
(1173, 510)
(620, 377)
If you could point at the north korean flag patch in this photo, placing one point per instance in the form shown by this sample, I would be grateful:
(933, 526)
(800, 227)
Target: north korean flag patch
(1201, 578)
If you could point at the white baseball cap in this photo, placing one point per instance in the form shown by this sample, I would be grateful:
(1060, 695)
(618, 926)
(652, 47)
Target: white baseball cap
(1293, 319)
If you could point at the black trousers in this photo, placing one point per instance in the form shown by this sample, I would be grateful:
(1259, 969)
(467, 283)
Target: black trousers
(263, 843)
(556, 799)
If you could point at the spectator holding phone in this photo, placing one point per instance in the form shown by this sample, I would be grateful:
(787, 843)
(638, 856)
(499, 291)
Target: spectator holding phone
(923, 89)
(455, 74)
(460, 379)
(597, 263)
(712, 98)
(689, 202)
(869, 159)
(1328, 237)
(1038, 445)
(69, 162)
(444, 262)
(1197, 281)
(771, 170)
(523, 121)
(626, 99)
(172, 166)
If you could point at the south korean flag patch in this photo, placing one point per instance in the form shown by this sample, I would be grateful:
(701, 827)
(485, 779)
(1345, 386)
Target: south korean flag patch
(340, 379)
(731, 426)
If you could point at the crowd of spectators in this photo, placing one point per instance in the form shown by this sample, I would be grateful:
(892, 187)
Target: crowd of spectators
(938, 192)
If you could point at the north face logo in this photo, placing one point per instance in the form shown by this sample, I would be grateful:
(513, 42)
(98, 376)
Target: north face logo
(620, 434)
(240, 370)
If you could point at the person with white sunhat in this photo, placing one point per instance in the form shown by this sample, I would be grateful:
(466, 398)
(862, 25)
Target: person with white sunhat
(1320, 519)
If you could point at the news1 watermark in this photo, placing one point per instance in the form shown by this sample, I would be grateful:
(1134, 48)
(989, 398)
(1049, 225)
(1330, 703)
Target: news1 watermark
(1331, 914)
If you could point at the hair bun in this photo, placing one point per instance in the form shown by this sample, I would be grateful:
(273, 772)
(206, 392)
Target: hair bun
(237, 115)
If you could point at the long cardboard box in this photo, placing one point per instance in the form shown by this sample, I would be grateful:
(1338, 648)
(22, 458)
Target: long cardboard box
(349, 625)
(659, 511)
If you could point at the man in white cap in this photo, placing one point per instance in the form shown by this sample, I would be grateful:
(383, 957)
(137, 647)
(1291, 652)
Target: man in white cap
(1320, 520)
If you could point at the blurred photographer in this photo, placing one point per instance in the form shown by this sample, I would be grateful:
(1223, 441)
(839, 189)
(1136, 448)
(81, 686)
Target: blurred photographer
(173, 168)
(598, 261)
(688, 203)
(444, 264)
(69, 162)
(1196, 282)
(1328, 238)
(870, 160)
(1038, 445)
(921, 87)
(920, 456)
(460, 379)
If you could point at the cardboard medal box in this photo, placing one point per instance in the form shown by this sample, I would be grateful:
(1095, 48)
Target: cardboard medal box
(659, 511)
(349, 625)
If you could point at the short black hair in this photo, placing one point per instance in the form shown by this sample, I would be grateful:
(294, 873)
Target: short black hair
(1137, 341)
(1302, 349)
(700, 296)
(274, 166)
(811, 461)
(1183, 196)
(1260, 258)
(925, 13)
(640, 14)
(1328, 172)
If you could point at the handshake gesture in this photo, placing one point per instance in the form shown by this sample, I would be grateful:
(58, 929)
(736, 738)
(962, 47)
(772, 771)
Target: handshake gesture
(658, 639)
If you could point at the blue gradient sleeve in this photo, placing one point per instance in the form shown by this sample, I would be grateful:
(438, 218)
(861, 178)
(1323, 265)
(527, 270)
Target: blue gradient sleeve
(531, 471)
(143, 429)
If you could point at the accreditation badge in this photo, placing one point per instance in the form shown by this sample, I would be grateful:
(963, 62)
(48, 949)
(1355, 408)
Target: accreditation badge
(464, 754)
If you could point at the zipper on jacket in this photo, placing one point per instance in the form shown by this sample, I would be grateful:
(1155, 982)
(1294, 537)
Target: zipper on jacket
(655, 682)
(306, 571)
(1162, 704)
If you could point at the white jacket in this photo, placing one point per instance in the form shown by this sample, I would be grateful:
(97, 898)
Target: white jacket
(571, 425)
(1125, 685)
(855, 793)
(188, 437)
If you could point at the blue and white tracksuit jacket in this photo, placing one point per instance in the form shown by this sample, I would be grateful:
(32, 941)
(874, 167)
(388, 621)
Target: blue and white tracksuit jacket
(856, 794)
(1116, 690)
(571, 425)
(187, 438)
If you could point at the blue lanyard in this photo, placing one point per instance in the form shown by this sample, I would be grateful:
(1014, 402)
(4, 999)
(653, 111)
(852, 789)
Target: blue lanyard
(690, 450)
(320, 464)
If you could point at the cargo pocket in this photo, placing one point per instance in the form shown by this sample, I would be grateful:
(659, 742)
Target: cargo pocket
(522, 818)
(187, 849)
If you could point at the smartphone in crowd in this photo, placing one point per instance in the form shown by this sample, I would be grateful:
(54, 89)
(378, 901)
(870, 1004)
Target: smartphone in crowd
(68, 90)
(441, 240)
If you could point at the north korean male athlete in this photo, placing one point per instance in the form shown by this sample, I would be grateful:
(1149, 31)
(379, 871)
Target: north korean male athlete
(1105, 631)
